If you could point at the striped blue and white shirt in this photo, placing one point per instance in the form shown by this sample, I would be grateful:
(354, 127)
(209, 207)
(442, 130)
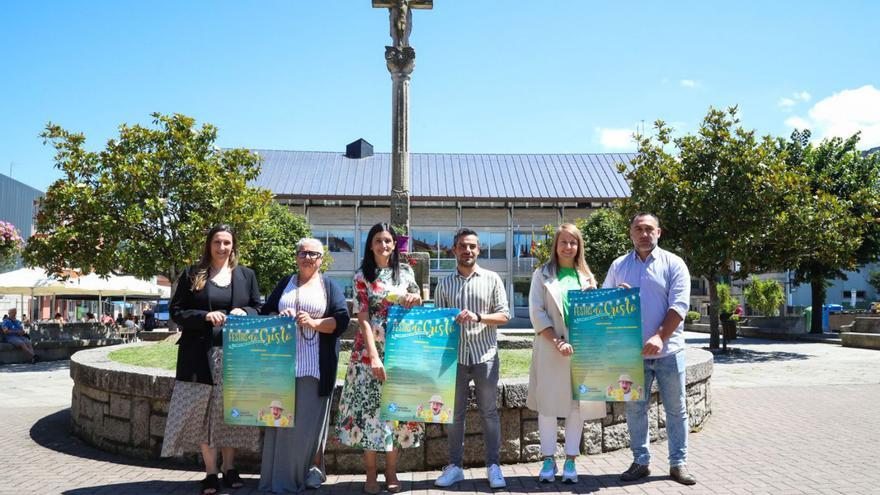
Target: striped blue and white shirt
(482, 292)
(313, 302)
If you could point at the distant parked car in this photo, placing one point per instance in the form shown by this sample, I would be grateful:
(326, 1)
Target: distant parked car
(162, 315)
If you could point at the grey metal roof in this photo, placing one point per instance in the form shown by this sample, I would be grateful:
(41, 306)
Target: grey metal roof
(447, 176)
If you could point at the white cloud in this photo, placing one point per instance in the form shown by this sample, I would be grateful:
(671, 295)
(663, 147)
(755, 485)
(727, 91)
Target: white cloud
(688, 83)
(797, 123)
(843, 114)
(787, 103)
(616, 139)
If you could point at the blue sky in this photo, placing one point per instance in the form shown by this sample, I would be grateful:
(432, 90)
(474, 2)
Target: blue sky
(492, 76)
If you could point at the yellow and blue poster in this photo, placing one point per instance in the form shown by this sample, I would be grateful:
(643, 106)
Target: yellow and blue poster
(606, 334)
(421, 363)
(259, 370)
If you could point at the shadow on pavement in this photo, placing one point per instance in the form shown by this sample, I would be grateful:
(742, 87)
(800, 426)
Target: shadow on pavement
(141, 487)
(53, 432)
(741, 341)
(529, 484)
(35, 368)
(737, 355)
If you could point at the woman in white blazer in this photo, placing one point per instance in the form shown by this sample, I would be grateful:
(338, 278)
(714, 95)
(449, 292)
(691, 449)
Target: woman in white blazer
(550, 374)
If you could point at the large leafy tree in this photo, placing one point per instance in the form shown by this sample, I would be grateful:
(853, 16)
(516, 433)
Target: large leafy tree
(838, 223)
(605, 238)
(142, 205)
(723, 196)
(273, 251)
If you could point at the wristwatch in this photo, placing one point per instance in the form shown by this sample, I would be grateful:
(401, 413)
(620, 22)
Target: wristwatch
(479, 318)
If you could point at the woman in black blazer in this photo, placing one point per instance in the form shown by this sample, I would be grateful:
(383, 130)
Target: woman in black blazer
(293, 457)
(206, 293)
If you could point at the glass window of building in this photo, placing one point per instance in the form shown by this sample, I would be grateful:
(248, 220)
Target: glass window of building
(340, 241)
(493, 245)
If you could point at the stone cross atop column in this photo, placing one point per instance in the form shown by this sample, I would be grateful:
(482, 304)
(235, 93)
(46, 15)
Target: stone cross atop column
(400, 59)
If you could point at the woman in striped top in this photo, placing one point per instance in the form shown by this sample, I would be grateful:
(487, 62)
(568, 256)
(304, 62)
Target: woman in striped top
(293, 457)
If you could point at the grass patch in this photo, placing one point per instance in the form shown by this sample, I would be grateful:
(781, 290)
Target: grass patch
(514, 362)
(160, 355)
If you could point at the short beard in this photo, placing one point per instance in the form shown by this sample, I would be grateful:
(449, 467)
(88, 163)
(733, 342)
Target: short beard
(467, 263)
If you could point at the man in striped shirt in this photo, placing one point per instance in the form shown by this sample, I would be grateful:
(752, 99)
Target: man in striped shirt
(481, 297)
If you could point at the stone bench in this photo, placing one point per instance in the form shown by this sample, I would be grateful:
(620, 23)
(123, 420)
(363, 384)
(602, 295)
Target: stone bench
(51, 350)
(866, 324)
(122, 409)
(863, 340)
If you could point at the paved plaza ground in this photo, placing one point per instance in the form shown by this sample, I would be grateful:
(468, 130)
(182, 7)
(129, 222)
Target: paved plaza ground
(788, 417)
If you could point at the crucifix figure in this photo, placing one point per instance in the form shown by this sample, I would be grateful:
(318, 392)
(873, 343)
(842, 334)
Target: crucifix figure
(400, 60)
(401, 17)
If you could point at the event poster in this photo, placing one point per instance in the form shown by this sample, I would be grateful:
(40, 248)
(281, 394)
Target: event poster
(259, 370)
(606, 333)
(421, 361)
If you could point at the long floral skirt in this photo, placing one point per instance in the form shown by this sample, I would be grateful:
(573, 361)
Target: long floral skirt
(357, 422)
(195, 417)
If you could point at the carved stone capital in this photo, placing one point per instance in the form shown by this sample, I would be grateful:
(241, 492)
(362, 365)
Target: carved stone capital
(400, 61)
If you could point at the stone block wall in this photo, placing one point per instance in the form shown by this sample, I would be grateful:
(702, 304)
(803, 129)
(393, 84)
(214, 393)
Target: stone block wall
(122, 409)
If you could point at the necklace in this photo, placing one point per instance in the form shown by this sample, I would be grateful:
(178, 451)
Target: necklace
(314, 333)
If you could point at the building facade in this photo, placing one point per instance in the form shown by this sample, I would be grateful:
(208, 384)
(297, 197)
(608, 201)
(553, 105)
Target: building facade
(507, 199)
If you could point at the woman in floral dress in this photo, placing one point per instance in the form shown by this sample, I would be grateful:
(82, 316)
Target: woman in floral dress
(381, 282)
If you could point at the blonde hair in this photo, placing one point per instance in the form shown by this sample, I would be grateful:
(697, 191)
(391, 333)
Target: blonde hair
(580, 264)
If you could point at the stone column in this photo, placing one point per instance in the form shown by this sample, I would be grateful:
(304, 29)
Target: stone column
(400, 62)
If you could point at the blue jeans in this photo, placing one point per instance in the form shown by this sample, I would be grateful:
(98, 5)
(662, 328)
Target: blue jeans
(670, 374)
(485, 376)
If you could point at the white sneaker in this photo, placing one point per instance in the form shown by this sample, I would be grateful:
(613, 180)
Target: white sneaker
(569, 473)
(496, 479)
(548, 471)
(314, 478)
(452, 474)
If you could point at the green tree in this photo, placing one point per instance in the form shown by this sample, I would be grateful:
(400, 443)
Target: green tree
(837, 223)
(723, 196)
(726, 302)
(142, 205)
(544, 246)
(272, 253)
(766, 296)
(874, 280)
(606, 236)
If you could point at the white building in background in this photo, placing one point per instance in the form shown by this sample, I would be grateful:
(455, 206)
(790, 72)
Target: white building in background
(506, 198)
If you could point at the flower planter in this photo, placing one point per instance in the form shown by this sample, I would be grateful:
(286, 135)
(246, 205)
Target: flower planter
(403, 243)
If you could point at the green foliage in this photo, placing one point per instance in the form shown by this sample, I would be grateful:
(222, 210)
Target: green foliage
(692, 316)
(606, 237)
(874, 280)
(271, 251)
(142, 205)
(766, 296)
(723, 196)
(544, 246)
(726, 303)
(838, 222)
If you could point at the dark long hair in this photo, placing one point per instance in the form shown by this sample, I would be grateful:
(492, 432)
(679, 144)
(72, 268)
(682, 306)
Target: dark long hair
(368, 262)
(200, 276)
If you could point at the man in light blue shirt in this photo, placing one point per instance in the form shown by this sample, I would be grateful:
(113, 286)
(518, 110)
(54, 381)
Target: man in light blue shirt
(664, 287)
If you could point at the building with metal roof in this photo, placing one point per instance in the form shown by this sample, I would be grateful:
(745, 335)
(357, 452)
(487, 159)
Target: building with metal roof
(585, 177)
(506, 198)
